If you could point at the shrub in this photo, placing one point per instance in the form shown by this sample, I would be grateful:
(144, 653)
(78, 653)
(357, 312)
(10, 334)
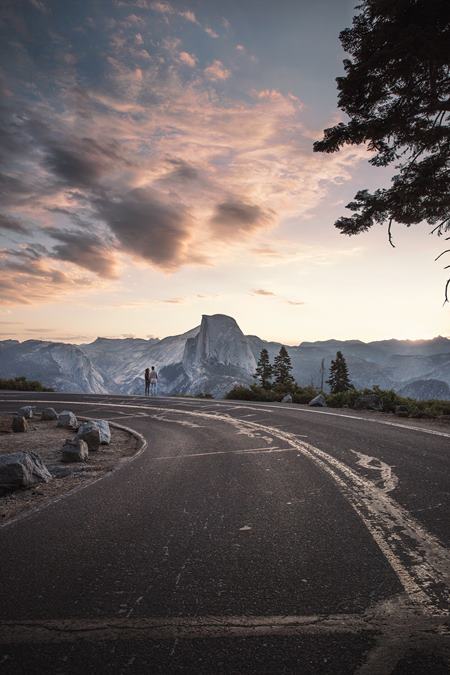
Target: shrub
(343, 398)
(22, 384)
(253, 393)
(304, 394)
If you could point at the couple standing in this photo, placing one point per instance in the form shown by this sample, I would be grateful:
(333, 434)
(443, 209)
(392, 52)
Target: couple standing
(151, 381)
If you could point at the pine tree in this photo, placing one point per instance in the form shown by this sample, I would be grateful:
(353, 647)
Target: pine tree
(282, 368)
(264, 370)
(396, 95)
(339, 378)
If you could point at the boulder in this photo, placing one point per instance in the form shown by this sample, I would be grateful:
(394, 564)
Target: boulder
(368, 402)
(75, 450)
(90, 433)
(19, 424)
(49, 414)
(26, 411)
(102, 426)
(67, 420)
(402, 410)
(22, 470)
(105, 431)
(287, 399)
(6, 425)
(318, 401)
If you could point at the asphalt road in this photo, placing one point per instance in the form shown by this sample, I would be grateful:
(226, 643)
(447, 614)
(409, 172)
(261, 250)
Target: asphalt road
(246, 538)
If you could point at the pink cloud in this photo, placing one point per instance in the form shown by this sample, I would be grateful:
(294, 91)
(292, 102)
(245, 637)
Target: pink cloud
(212, 33)
(188, 59)
(217, 71)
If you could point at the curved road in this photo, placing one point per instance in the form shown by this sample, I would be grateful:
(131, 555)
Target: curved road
(246, 538)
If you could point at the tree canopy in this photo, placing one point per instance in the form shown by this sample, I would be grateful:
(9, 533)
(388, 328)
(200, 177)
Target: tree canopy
(263, 373)
(339, 379)
(396, 92)
(282, 369)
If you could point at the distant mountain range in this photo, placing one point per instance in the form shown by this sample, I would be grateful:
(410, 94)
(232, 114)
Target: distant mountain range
(214, 356)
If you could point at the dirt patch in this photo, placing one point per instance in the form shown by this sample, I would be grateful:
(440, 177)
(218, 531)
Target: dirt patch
(47, 440)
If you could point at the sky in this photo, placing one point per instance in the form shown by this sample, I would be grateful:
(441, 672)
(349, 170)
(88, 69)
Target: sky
(156, 164)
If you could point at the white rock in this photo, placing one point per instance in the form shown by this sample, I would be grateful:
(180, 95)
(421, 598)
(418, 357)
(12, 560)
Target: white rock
(318, 401)
(49, 414)
(26, 411)
(75, 450)
(67, 420)
(22, 469)
(90, 433)
(287, 399)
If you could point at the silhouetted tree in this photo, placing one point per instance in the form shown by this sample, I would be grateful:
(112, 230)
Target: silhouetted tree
(282, 368)
(339, 379)
(264, 370)
(396, 92)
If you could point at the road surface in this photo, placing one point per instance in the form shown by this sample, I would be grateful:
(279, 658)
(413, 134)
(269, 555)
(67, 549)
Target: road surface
(245, 538)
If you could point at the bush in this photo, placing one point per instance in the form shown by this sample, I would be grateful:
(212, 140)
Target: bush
(253, 393)
(22, 384)
(304, 394)
(343, 398)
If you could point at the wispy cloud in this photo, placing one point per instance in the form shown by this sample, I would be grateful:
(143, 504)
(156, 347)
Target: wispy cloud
(261, 291)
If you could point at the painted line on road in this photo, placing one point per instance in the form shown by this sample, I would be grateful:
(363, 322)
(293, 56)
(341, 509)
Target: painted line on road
(226, 452)
(236, 405)
(425, 576)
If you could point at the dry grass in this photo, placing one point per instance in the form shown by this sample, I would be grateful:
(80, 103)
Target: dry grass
(47, 440)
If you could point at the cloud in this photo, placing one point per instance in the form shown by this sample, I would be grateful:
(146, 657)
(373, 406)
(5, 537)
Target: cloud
(234, 216)
(261, 291)
(27, 277)
(147, 226)
(162, 7)
(40, 5)
(12, 224)
(188, 59)
(212, 33)
(81, 162)
(142, 158)
(86, 250)
(217, 71)
(189, 16)
(182, 171)
(295, 302)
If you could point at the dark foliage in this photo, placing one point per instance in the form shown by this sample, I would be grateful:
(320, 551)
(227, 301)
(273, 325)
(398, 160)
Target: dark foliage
(264, 370)
(396, 92)
(22, 384)
(282, 369)
(345, 399)
(339, 379)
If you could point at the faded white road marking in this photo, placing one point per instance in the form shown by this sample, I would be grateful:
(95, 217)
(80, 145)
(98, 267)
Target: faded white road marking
(224, 452)
(184, 423)
(424, 574)
(388, 478)
(270, 408)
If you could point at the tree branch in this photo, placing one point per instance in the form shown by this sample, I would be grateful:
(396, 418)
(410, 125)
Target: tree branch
(390, 233)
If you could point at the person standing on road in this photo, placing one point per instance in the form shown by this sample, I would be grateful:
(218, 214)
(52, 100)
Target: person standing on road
(153, 381)
(147, 381)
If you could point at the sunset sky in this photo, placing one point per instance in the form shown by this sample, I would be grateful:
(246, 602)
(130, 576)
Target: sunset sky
(156, 164)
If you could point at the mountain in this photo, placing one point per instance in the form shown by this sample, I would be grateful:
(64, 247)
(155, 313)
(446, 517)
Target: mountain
(62, 366)
(215, 355)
